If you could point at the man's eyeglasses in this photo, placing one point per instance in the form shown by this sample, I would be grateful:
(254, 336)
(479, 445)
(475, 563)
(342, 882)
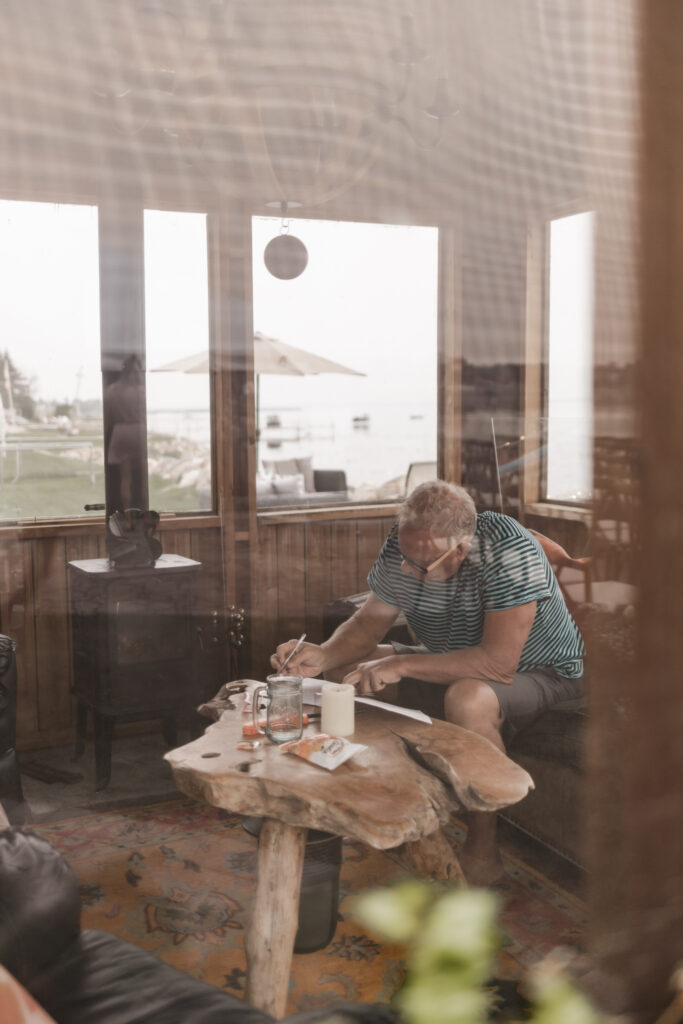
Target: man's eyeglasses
(424, 569)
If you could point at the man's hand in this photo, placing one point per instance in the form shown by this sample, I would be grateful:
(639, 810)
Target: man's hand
(373, 676)
(309, 660)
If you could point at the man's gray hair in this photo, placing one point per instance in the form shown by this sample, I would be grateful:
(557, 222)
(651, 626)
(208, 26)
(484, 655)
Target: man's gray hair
(444, 509)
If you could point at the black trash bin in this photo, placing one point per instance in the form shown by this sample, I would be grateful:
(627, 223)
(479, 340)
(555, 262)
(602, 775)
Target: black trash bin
(319, 898)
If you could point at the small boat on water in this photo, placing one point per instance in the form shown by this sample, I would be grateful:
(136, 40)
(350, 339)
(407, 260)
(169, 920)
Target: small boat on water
(361, 422)
(273, 420)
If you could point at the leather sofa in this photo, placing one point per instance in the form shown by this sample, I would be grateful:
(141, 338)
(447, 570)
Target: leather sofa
(11, 793)
(551, 749)
(81, 977)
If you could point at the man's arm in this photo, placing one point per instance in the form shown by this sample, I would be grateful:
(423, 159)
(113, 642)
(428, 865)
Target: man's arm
(496, 658)
(354, 639)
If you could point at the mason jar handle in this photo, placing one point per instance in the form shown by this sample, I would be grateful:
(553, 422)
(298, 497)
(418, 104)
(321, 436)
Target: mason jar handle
(255, 707)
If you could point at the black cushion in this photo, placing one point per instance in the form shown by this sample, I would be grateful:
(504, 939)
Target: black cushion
(92, 976)
(329, 480)
(102, 978)
(557, 734)
(40, 904)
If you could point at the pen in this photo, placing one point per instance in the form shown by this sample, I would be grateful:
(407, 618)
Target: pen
(293, 650)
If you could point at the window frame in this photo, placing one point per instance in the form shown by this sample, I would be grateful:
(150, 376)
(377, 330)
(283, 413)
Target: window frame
(447, 396)
(533, 476)
(113, 299)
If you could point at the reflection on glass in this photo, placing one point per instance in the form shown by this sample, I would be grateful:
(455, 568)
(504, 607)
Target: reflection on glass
(570, 358)
(124, 405)
(51, 461)
(177, 326)
(367, 302)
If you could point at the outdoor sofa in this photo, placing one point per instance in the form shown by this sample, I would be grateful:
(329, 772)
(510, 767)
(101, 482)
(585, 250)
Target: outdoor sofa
(295, 482)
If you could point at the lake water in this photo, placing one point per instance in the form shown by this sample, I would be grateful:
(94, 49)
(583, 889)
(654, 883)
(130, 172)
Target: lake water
(380, 448)
(371, 451)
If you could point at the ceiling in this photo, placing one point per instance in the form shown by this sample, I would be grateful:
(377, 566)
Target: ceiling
(307, 101)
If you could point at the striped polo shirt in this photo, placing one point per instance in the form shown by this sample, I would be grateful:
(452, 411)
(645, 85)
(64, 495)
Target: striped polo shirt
(505, 567)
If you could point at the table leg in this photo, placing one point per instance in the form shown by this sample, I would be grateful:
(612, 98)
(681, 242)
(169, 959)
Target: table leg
(272, 929)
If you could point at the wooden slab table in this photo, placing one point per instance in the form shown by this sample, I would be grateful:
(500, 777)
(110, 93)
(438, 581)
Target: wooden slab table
(394, 795)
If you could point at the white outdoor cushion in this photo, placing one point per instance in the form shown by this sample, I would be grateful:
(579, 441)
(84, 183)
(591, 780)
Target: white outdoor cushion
(293, 484)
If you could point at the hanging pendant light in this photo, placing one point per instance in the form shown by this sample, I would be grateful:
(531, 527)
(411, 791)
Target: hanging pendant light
(285, 256)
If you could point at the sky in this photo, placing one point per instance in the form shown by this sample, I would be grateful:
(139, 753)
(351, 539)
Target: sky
(367, 299)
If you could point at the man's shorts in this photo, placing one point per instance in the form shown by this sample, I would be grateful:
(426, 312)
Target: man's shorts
(521, 701)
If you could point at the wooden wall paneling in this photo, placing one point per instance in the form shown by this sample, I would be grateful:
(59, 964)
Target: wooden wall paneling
(52, 642)
(23, 631)
(219, 662)
(344, 566)
(269, 592)
(205, 547)
(371, 536)
(5, 586)
(178, 542)
(11, 580)
(291, 562)
(319, 582)
(78, 547)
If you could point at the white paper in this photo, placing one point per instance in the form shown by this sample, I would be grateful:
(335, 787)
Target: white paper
(312, 691)
(396, 708)
(312, 695)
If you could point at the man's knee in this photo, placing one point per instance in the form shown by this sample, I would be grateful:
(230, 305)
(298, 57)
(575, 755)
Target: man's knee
(471, 701)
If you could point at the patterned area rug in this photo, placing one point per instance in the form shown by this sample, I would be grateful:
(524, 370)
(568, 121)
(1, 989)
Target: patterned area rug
(178, 879)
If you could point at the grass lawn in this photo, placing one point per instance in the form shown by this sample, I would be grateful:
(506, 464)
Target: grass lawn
(50, 484)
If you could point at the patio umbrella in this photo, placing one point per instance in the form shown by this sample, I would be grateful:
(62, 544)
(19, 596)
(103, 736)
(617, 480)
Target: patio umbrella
(270, 356)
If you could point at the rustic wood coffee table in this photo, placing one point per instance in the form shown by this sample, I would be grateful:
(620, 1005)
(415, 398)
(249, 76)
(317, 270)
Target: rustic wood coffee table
(394, 795)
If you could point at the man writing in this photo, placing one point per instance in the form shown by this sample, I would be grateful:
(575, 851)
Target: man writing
(498, 644)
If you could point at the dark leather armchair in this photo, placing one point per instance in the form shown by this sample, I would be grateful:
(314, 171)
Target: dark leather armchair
(11, 794)
(81, 977)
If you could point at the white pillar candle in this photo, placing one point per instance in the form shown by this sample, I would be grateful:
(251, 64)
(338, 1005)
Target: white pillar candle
(337, 709)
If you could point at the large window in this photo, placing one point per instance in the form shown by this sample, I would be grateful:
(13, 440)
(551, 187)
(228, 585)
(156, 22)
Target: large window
(50, 382)
(367, 303)
(52, 460)
(569, 391)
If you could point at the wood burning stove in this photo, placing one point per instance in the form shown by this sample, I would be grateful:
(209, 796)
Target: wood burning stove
(135, 647)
